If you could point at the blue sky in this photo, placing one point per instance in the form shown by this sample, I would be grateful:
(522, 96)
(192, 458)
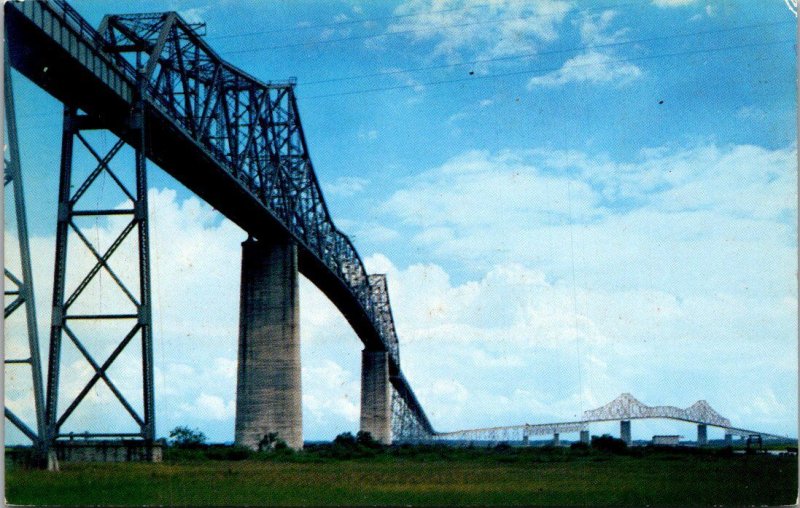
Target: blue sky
(571, 200)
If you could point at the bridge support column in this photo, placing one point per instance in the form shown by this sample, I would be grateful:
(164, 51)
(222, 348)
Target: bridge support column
(585, 437)
(526, 440)
(625, 431)
(268, 392)
(702, 434)
(728, 439)
(376, 396)
(556, 439)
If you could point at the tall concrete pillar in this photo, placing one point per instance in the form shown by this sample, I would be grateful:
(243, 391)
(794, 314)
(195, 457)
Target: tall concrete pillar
(556, 439)
(625, 431)
(376, 396)
(728, 439)
(526, 440)
(585, 437)
(702, 434)
(268, 392)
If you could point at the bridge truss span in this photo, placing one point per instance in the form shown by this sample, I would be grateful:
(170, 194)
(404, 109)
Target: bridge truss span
(232, 139)
(627, 407)
(623, 408)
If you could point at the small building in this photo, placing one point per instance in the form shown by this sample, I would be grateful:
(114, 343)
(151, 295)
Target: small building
(666, 440)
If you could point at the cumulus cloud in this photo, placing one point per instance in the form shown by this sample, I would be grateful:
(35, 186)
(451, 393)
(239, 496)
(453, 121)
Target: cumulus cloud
(195, 265)
(672, 3)
(593, 65)
(194, 14)
(478, 208)
(589, 67)
(468, 29)
(576, 275)
(601, 276)
(346, 186)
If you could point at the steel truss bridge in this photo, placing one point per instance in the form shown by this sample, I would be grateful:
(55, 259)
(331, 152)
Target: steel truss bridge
(623, 409)
(155, 85)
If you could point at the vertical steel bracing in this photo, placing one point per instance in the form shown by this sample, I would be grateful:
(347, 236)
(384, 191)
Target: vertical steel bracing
(19, 288)
(70, 208)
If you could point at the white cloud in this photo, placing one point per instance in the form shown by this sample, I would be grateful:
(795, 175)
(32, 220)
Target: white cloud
(195, 265)
(346, 186)
(593, 66)
(473, 28)
(210, 407)
(690, 196)
(368, 135)
(560, 354)
(589, 67)
(332, 391)
(751, 113)
(194, 14)
(683, 259)
(672, 3)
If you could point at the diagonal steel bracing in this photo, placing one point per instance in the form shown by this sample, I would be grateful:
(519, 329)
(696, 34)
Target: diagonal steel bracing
(19, 289)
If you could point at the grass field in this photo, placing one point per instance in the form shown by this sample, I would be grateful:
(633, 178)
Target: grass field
(550, 478)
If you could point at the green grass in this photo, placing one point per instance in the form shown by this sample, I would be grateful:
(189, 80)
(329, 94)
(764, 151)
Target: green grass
(542, 477)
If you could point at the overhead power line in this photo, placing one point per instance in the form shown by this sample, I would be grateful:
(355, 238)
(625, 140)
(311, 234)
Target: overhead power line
(550, 69)
(543, 53)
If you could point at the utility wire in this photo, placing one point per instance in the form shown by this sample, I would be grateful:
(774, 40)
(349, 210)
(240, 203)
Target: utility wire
(550, 69)
(543, 53)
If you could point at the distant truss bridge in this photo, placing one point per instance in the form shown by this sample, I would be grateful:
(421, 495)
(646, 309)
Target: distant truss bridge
(623, 409)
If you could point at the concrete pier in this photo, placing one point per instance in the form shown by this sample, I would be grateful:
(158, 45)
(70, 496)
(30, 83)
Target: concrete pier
(268, 392)
(526, 440)
(728, 439)
(702, 434)
(556, 439)
(585, 437)
(625, 431)
(376, 396)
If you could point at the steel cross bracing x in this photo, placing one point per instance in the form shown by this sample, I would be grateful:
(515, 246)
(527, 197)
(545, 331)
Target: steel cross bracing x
(250, 129)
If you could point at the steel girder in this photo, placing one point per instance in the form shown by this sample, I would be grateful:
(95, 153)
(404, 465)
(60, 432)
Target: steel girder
(20, 290)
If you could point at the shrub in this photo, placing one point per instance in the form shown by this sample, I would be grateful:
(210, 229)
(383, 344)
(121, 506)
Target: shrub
(365, 439)
(607, 443)
(345, 440)
(579, 445)
(271, 441)
(502, 447)
(184, 437)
